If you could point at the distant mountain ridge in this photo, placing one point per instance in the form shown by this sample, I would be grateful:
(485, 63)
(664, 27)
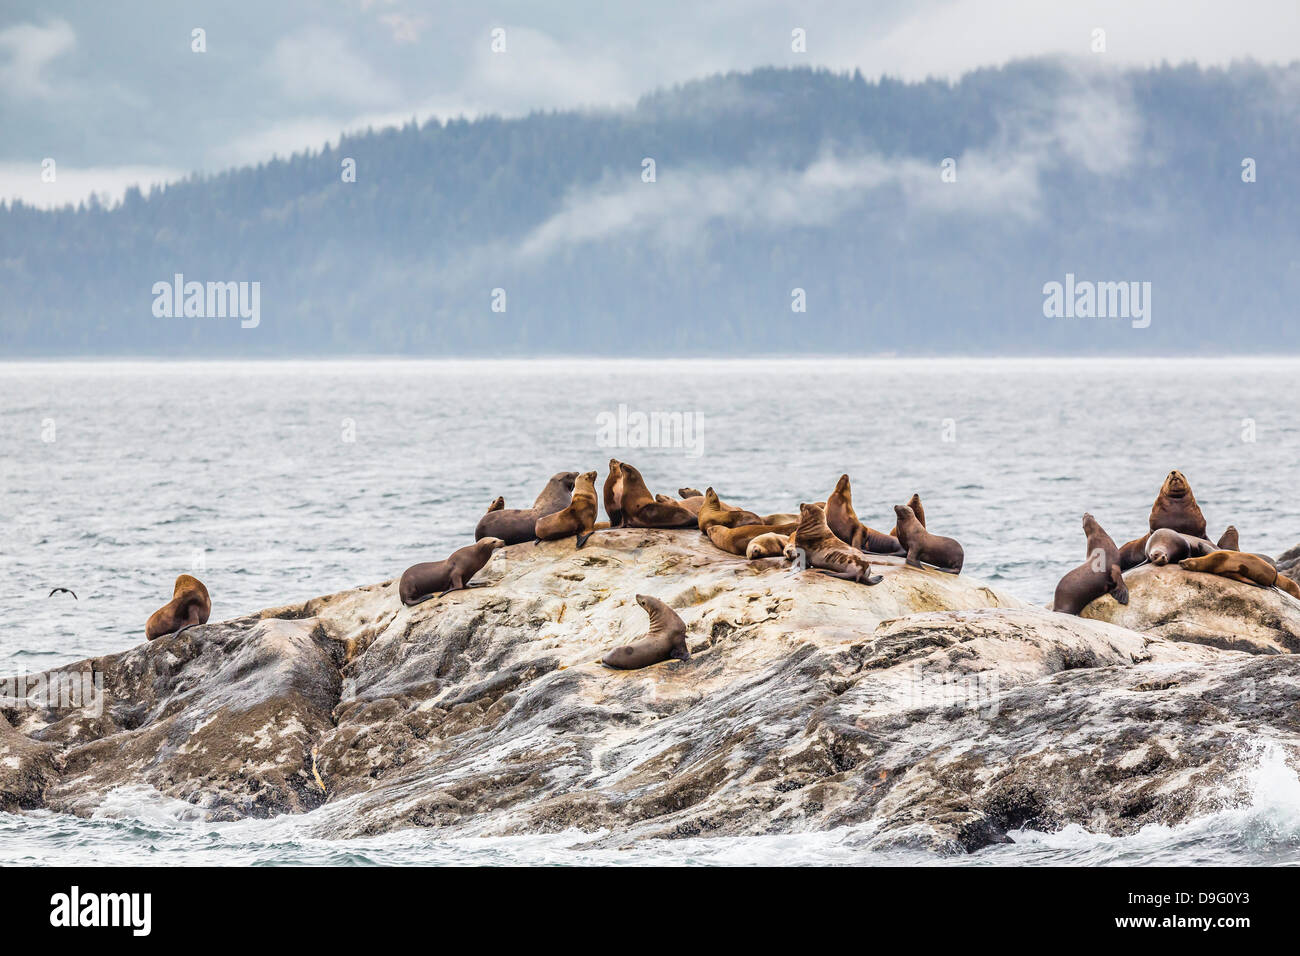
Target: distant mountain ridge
(771, 189)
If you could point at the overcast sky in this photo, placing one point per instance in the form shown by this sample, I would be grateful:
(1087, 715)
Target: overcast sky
(113, 92)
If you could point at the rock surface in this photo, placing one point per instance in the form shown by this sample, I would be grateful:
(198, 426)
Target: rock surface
(927, 711)
(1204, 608)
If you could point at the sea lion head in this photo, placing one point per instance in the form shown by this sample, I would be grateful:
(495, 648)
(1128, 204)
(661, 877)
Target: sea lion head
(566, 478)
(711, 498)
(588, 476)
(492, 543)
(842, 486)
(1175, 485)
(186, 582)
(615, 464)
(1089, 522)
(904, 513)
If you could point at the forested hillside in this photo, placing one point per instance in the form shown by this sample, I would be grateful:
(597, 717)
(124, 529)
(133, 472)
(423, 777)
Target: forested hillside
(765, 183)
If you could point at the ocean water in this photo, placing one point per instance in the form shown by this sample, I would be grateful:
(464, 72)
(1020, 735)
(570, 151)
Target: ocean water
(278, 481)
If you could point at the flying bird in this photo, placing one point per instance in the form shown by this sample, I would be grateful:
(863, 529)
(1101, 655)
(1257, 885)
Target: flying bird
(65, 591)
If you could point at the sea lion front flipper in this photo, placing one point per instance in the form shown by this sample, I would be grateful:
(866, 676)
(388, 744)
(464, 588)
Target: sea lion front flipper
(1118, 588)
(874, 579)
(582, 538)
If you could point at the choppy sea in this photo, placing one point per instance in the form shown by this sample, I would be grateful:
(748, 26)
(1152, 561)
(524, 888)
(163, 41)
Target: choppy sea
(277, 481)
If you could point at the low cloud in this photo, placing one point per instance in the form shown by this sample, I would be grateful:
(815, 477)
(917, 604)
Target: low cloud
(26, 50)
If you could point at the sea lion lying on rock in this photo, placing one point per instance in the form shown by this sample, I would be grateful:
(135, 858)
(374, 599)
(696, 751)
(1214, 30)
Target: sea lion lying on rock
(1166, 546)
(946, 554)
(825, 552)
(1244, 567)
(422, 581)
(771, 544)
(1098, 575)
(516, 525)
(189, 606)
(737, 540)
(666, 639)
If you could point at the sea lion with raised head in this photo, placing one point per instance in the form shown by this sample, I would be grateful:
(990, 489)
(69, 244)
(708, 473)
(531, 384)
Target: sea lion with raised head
(1244, 567)
(1099, 574)
(1176, 508)
(914, 503)
(923, 547)
(613, 493)
(189, 606)
(843, 521)
(772, 544)
(425, 580)
(578, 519)
(736, 540)
(824, 551)
(498, 503)
(516, 525)
(666, 639)
(714, 512)
(1229, 540)
(1167, 546)
(689, 493)
(641, 510)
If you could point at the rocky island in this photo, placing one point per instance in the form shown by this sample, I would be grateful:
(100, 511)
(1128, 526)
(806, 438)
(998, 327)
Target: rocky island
(930, 710)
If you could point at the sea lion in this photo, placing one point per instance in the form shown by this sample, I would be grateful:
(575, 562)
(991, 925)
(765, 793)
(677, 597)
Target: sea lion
(824, 551)
(1176, 507)
(613, 493)
(692, 505)
(497, 504)
(737, 540)
(422, 581)
(1167, 546)
(914, 503)
(779, 517)
(190, 605)
(1244, 567)
(769, 545)
(843, 521)
(1229, 540)
(640, 510)
(924, 547)
(714, 512)
(578, 519)
(689, 493)
(1099, 574)
(515, 525)
(666, 639)
(1132, 553)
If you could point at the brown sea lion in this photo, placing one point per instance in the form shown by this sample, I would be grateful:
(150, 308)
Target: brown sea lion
(1244, 567)
(689, 493)
(640, 510)
(779, 517)
(1132, 553)
(693, 505)
(189, 606)
(1099, 574)
(1229, 540)
(514, 525)
(843, 521)
(769, 545)
(666, 639)
(613, 493)
(824, 551)
(923, 547)
(714, 512)
(1167, 546)
(914, 503)
(1176, 507)
(578, 519)
(498, 503)
(422, 581)
(736, 540)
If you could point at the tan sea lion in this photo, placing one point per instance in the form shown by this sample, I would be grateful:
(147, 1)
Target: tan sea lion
(714, 512)
(613, 493)
(1229, 540)
(914, 503)
(923, 547)
(666, 639)
(422, 581)
(1167, 546)
(515, 525)
(824, 551)
(189, 606)
(769, 545)
(1244, 567)
(843, 521)
(1099, 574)
(737, 540)
(578, 519)
(779, 517)
(640, 510)
(1175, 507)
(689, 493)
(497, 504)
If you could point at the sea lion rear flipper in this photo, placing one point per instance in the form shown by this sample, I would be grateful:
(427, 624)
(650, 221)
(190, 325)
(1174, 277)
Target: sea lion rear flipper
(582, 538)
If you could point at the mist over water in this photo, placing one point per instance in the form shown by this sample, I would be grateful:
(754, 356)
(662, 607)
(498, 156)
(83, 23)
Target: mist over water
(117, 477)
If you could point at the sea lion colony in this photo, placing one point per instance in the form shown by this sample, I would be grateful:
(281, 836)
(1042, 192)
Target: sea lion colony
(825, 537)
